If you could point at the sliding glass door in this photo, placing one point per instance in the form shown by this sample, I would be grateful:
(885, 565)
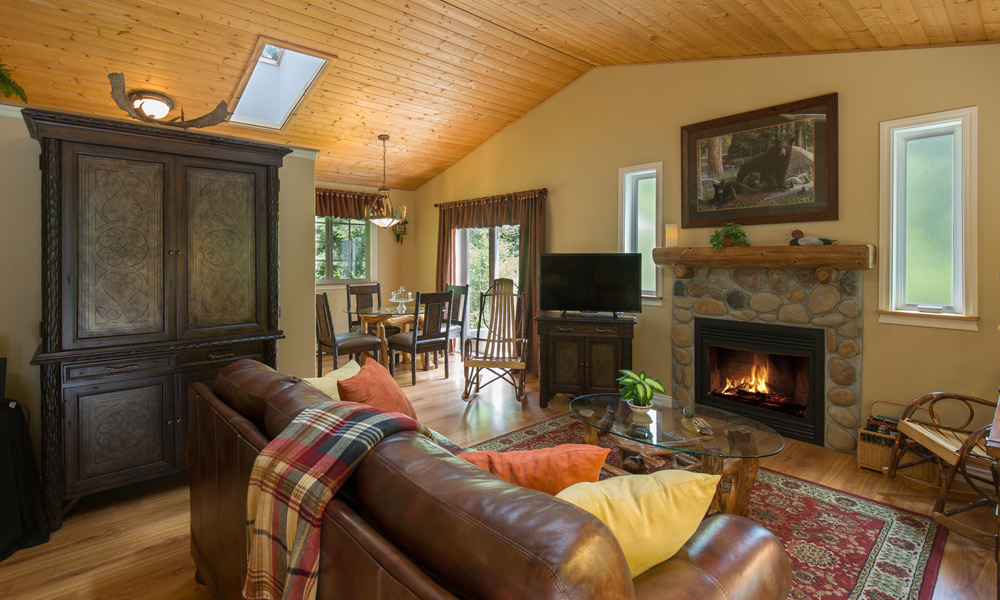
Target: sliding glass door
(483, 254)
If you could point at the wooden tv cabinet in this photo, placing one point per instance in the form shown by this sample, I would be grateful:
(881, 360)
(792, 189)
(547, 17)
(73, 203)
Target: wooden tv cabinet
(582, 354)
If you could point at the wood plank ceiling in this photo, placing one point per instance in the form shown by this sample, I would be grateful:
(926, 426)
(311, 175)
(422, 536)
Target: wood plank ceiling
(439, 77)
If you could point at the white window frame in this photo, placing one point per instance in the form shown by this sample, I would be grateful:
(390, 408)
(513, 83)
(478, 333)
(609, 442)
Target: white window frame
(628, 178)
(892, 268)
(369, 258)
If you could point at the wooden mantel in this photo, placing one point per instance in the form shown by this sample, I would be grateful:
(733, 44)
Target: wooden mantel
(827, 260)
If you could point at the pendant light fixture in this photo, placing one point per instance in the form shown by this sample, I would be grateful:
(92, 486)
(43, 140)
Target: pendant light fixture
(381, 211)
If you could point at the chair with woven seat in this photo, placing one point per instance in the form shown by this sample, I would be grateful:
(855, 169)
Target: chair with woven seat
(499, 344)
(337, 344)
(430, 332)
(958, 450)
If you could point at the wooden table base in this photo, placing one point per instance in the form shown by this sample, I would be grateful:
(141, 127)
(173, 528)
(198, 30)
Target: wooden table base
(733, 491)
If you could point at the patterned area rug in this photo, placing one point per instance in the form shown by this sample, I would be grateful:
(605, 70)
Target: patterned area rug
(841, 546)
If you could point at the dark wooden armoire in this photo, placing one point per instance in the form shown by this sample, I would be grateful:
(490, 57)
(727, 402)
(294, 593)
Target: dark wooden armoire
(159, 267)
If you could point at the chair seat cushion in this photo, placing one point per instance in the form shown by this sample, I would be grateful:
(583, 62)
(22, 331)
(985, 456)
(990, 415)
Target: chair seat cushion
(374, 386)
(548, 470)
(353, 339)
(652, 516)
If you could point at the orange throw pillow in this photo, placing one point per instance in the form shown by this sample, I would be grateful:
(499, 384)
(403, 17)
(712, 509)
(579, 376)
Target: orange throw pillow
(375, 387)
(548, 470)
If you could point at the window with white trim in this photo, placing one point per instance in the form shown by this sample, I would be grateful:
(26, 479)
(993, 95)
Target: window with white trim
(928, 220)
(342, 250)
(639, 219)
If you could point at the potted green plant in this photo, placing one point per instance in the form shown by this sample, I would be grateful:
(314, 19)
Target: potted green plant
(731, 234)
(637, 389)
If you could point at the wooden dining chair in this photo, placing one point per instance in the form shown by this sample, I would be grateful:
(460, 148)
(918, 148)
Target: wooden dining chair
(328, 341)
(946, 438)
(498, 344)
(362, 296)
(458, 319)
(430, 332)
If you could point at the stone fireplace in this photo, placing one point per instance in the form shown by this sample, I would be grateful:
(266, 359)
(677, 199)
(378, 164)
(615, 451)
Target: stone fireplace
(816, 398)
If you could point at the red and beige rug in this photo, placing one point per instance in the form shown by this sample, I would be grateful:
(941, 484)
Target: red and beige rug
(841, 546)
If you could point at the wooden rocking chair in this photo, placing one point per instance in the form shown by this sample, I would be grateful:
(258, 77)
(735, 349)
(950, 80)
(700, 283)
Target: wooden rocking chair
(957, 450)
(499, 344)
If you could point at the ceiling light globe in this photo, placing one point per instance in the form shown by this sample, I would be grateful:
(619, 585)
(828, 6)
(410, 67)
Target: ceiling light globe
(153, 108)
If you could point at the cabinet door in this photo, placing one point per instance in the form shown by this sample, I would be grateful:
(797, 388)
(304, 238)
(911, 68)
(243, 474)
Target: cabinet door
(118, 432)
(116, 290)
(566, 364)
(603, 362)
(223, 260)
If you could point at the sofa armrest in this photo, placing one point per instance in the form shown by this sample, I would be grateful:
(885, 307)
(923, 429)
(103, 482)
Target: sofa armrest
(728, 558)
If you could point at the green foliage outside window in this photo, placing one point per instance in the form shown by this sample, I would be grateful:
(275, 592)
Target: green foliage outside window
(341, 249)
(481, 271)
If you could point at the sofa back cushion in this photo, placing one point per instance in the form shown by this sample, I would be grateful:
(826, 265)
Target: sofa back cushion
(267, 398)
(477, 534)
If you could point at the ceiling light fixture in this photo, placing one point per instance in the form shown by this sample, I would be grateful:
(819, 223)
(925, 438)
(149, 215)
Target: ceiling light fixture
(381, 211)
(152, 104)
(153, 107)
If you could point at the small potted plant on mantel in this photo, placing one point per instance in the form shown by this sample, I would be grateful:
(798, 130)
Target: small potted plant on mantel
(731, 234)
(637, 389)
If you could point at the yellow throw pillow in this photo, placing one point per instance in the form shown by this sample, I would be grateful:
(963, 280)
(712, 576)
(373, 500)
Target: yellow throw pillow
(652, 516)
(328, 383)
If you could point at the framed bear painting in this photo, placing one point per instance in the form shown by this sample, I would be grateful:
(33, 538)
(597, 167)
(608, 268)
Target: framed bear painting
(773, 165)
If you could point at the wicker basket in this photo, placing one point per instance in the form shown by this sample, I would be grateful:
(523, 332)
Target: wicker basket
(875, 451)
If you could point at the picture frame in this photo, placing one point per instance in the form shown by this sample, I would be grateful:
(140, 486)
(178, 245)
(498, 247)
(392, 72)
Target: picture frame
(772, 165)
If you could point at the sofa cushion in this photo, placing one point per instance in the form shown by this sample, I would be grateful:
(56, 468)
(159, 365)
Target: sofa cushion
(652, 516)
(548, 470)
(374, 386)
(328, 383)
(283, 406)
(245, 386)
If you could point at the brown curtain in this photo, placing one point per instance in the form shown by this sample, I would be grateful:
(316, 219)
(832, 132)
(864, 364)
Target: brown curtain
(342, 204)
(526, 209)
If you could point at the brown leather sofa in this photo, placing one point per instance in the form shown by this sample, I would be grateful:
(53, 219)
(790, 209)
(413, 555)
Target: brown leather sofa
(416, 522)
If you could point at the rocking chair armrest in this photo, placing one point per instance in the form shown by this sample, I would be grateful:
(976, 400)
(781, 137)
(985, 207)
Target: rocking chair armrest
(927, 402)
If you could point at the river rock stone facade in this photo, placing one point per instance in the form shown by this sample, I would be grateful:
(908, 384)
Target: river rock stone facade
(790, 297)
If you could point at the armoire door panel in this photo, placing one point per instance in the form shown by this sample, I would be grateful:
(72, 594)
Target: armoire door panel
(221, 254)
(120, 247)
(125, 427)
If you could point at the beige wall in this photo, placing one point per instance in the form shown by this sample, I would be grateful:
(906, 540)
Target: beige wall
(296, 249)
(20, 263)
(574, 144)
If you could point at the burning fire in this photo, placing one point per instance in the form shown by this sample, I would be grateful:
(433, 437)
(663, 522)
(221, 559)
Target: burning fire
(756, 383)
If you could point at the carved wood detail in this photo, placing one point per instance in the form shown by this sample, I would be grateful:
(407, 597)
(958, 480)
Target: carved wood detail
(120, 247)
(120, 430)
(272, 248)
(222, 264)
(51, 244)
(52, 444)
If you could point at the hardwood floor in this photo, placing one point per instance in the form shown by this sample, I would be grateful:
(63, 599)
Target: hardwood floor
(133, 543)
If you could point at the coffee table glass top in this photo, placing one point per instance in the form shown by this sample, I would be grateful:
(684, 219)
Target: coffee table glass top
(728, 435)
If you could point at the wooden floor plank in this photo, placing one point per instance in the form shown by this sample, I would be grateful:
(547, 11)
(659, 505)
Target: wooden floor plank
(133, 542)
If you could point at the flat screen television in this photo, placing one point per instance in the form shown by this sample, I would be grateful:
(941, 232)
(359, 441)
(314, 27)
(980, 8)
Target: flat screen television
(593, 283)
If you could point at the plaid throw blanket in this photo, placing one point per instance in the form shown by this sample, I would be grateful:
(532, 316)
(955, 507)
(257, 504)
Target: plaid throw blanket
(292, 481)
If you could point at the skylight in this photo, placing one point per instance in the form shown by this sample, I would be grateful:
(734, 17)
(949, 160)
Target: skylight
(279, 80)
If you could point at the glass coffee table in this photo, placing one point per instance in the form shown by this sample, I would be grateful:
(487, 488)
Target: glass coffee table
(706, 439)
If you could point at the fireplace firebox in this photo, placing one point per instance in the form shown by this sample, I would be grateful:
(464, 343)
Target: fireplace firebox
(774, 374)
